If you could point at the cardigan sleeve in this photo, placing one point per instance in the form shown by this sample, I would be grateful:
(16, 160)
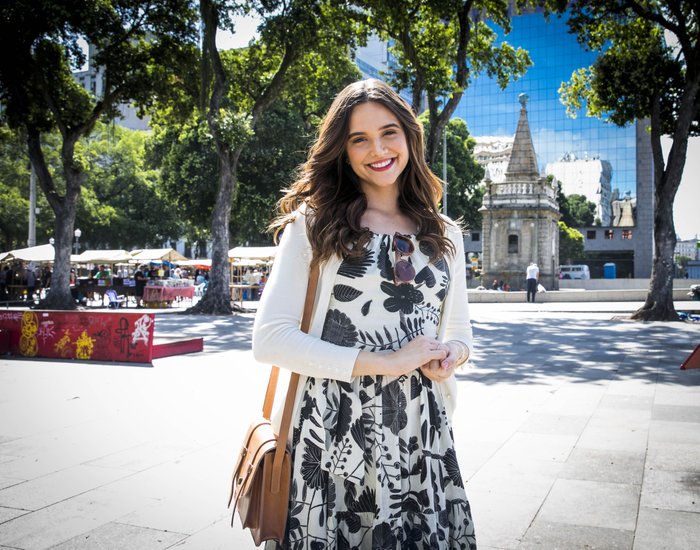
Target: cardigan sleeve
(458, 324)
(277, 337)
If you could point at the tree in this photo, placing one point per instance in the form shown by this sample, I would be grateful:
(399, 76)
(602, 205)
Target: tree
(464, 191)
(132, 40)
(439, 46)
(232, 113)
(576, 210)
(570, 243)
(637, 75)
(121, 205)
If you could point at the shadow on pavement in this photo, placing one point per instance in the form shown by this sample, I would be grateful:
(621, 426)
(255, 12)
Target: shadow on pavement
(583, 350)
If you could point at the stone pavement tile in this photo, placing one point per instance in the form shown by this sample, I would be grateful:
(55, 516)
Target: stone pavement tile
(561, 536)
(599, 435)
(678, 396)
(537, 447)
(219, 536)
(60, 449)
(178, 514)
(62, 521)
(118, 536)
(666, 530)
(516, 476)
(641, 385)
(663, 432)
(472, 454)
(144, 456)
(622, 402)
(604, 465)
(9, 482)
(677, 413)
(6, 514)
(574, 399)
(52, 488)
(554, 424)
(592, 503)
(671, 490)
(674, 456)
(501, 519)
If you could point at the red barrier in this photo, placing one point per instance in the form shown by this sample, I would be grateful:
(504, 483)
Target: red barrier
(83, 335)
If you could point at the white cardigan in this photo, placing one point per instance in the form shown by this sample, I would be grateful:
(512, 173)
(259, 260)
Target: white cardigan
(278, 340)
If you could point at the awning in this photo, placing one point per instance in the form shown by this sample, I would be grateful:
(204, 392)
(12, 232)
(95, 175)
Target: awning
(147, 254)
(201, 263)
(102, 256)
(253, 252)
(42, 253)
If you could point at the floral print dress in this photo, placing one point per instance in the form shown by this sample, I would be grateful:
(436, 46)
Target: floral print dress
(374, 464)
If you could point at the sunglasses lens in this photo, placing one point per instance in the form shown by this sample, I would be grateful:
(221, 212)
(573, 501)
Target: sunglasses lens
(402, 245)
(404, 271)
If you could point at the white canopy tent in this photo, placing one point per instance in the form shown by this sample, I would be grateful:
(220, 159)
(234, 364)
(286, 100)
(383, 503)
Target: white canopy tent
(41, 253)
(253, 253)
(102, 257)
(158, 254)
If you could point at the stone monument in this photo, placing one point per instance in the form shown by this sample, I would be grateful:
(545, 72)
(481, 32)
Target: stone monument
(520, 216)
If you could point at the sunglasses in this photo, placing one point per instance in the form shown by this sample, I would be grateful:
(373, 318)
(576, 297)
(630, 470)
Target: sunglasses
(404, 272)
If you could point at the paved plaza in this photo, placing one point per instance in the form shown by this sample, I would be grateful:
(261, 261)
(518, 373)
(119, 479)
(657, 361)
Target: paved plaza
(575, 429)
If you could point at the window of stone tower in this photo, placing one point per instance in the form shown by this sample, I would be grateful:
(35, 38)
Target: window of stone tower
(476, 236)
(512, 244)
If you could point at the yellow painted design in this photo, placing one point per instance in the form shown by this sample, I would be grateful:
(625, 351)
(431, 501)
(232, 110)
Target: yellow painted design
(28, 345)
(62, 346)
(84, 346)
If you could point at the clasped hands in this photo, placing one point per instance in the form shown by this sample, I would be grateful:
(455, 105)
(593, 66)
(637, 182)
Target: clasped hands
(442, 358)
(435, 359)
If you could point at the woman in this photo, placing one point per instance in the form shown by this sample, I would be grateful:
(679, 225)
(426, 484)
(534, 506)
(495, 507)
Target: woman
(374, 464)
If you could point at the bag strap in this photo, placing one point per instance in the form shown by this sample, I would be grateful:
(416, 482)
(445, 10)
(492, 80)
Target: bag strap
(291, 391)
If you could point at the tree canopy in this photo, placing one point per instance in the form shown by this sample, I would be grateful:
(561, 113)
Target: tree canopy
(648, 67)
(439, 47)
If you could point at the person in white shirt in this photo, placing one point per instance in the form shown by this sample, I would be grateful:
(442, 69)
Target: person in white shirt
(374, 461)
(532, 275)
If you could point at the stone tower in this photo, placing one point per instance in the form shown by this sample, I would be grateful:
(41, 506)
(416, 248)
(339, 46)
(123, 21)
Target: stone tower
(520, 218)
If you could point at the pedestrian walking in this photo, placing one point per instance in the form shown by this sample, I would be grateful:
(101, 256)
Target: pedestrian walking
(532, 275)
(374, 463)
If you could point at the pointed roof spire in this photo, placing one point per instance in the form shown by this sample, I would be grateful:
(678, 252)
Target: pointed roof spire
(523, 160)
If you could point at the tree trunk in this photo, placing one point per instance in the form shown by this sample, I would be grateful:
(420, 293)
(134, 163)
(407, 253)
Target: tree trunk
(659, 303)
(217, 299)
(64, 208)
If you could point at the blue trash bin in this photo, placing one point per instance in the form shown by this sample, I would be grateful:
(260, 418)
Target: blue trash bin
(609, 271)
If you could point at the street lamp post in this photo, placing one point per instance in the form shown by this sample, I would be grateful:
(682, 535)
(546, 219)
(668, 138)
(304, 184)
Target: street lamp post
(77, 234)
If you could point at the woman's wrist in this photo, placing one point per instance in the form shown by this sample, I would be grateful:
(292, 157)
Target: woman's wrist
(460, 351)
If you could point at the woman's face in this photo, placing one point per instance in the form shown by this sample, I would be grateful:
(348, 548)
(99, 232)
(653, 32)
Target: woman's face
(376, 146)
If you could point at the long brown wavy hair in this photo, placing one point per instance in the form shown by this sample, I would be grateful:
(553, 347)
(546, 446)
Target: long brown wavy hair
(331, 190)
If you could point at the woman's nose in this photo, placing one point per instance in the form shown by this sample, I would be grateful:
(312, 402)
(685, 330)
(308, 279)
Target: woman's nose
(378, 146)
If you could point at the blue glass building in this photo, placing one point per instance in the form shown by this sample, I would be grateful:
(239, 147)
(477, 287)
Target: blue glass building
(490, 111)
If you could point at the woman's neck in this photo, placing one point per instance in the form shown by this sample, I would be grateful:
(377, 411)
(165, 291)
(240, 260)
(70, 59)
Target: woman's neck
(383, 216)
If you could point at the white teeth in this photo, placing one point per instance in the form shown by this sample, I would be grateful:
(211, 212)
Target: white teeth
(381, 164)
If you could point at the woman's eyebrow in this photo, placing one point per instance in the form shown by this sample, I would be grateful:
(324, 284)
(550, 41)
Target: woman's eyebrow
(390, 125)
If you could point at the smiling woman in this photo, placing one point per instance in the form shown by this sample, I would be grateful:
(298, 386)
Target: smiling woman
(373, 460)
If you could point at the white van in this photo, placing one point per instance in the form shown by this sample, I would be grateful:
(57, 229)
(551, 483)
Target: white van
(574, 272)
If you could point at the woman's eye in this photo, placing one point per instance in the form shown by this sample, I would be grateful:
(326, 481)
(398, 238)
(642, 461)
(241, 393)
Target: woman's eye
(357, 140)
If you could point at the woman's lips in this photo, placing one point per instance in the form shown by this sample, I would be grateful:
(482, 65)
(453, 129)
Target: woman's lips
(382, 165)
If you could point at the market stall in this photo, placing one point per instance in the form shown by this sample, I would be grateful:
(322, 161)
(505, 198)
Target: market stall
(162, 293)
(249, 268)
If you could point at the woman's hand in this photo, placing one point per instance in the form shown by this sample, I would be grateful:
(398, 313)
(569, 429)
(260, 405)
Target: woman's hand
(418, 352)
(439, 371)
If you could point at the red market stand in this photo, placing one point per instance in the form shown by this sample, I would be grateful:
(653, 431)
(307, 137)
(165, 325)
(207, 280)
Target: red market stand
(89, 336)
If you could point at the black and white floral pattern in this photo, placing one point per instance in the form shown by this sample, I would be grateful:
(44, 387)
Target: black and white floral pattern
(374, 459)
